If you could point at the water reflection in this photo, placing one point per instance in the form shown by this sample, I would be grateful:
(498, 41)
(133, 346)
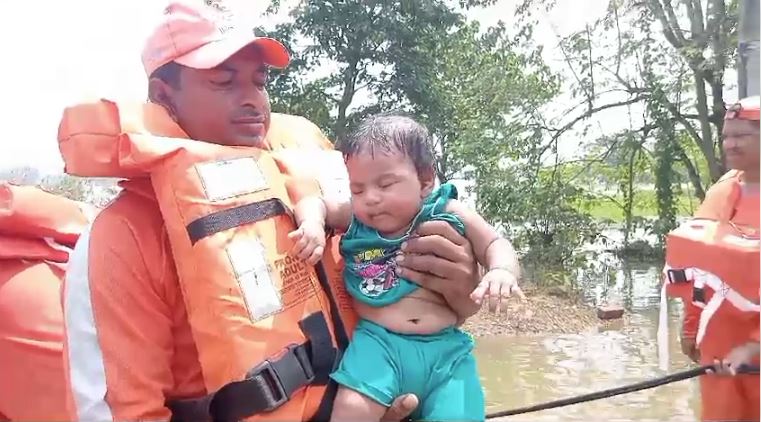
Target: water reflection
(521, 371)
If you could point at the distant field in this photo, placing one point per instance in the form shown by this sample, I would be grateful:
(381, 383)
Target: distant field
(645, 205)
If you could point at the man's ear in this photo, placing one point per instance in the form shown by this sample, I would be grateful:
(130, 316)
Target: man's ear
(161, 93)
(427, 181)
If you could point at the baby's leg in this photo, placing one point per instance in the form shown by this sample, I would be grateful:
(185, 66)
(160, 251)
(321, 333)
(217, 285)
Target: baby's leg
(368, 375)
(459, 398)
(353, 406)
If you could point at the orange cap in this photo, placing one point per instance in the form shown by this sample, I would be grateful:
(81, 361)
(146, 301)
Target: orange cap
(193, 36)
(745, 109)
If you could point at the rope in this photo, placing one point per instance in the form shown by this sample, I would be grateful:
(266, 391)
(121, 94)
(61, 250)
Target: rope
(644, 385)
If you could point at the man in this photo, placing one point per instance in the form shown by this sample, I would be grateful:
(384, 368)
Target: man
(37, 231)
(730, 342)
(123, 307)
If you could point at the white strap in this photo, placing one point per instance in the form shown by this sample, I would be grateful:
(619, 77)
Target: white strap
(722, 289)
(721, 292)
(662, 338)
(707, 314)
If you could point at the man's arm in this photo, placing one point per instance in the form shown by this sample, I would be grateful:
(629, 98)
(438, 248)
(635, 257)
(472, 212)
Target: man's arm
(118, 327)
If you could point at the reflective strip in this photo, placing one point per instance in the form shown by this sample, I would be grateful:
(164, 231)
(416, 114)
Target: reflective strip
(662, 337)
(721, 292)
(87, 373)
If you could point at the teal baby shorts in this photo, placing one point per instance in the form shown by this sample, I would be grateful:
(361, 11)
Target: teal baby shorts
(438, 368)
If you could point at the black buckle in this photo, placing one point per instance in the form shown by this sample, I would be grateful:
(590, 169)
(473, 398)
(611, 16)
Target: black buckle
(677, 276)
(698, 295)
(300, 352)
(295, 355)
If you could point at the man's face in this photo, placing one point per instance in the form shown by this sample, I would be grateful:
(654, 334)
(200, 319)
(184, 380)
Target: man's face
(741, 144)
(226, 105)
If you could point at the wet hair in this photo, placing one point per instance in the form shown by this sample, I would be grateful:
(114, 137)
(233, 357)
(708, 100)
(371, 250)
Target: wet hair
(390, 132)
(169, 73)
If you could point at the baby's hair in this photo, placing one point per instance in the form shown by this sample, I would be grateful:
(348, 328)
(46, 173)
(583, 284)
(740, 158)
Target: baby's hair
(390, 132)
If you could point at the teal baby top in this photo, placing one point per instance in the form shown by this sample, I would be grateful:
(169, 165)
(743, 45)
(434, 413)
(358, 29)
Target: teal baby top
(369, 265)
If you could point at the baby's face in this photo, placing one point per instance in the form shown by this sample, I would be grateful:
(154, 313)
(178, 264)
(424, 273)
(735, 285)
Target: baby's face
(386, 191)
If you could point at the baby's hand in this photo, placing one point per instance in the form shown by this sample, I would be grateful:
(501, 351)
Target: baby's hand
(496, 285)
(309, 241)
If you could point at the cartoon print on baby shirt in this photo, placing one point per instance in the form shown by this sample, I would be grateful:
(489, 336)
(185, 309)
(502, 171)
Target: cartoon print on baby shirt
(378, 275)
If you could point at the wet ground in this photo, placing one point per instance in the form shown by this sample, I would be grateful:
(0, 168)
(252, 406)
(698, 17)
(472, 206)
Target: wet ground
(519, 371)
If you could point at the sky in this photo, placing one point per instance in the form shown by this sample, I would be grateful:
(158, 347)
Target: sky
(80, 49)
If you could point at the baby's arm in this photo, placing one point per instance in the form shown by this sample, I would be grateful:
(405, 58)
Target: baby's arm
(313, 214)
(493, 252)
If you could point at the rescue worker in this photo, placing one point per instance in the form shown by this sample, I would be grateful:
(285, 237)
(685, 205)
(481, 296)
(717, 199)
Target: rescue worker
(37, 231)
(730, 342)
(131, 349)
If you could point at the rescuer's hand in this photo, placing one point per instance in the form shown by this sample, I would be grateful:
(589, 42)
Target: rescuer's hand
(309, 242)
(740, 355)
(497, 286)
(401, 408)
(439, 259)
(690, 349)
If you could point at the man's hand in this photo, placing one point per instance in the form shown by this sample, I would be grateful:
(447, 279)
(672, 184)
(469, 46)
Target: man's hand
(497, 286)
(690, 349)
(309, 242)
(739, 356)
(439, 259)
(401, 408)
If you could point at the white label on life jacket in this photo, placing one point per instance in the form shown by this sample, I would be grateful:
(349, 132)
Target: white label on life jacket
(229, 178)
(249, 261)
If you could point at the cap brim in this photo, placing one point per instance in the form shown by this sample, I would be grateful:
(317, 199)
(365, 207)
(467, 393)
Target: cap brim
(214, 53)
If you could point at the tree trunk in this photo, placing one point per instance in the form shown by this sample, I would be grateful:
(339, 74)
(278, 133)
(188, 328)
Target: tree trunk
(715, 168)
(350, 81)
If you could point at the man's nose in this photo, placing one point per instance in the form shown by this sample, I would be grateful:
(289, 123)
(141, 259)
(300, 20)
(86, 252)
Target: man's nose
(253, 96)
(730, 142)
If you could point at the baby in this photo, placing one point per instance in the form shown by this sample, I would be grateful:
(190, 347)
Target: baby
(407, 340)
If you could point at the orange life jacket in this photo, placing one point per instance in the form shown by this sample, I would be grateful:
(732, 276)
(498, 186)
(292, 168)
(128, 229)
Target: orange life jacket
(713, 262)
(268, 327)
(38, 225)
(37, 232)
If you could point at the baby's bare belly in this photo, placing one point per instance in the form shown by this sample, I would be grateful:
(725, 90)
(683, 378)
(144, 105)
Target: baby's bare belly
(421, 312)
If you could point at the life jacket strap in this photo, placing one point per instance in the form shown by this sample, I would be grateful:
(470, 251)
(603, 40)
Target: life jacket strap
(721, 292)
(677, 275)
(270, 384)
(234, 217)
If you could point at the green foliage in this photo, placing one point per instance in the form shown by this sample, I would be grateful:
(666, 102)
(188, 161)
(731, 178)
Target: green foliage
(482, 93)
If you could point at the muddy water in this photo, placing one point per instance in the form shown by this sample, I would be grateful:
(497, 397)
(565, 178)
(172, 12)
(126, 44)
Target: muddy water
(521, 371)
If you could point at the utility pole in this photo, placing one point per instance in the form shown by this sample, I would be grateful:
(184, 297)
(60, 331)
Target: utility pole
(748, 49)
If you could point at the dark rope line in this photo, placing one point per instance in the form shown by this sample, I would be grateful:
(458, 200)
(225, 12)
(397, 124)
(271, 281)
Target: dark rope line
(644, 385)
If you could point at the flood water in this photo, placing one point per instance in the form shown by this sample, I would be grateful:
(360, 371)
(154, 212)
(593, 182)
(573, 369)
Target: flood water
(522, 371)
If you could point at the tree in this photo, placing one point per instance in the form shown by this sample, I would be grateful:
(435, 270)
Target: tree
(682, 47)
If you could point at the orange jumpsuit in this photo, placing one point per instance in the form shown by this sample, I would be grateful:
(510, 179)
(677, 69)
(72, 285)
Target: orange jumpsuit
(36, 231)
(725, 398)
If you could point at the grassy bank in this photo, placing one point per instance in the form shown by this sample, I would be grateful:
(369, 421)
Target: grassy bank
(645, 205)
